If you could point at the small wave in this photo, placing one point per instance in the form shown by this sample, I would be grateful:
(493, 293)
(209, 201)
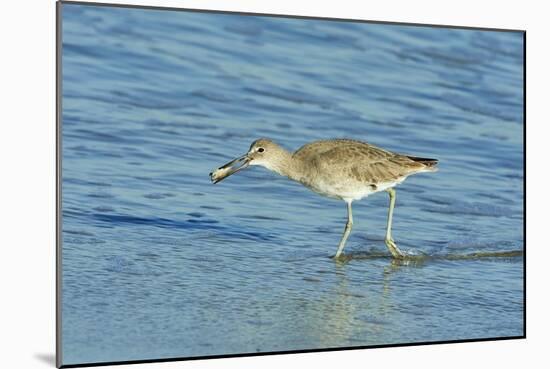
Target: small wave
(420, 257)
(101, 195)
(78, 232)
(103, 209)
(292, 96)
(475, 208)
(118, 219)
(196, 214)
(194, 223)
(212, 96)
(258, 217)
(245, 29)
(484, 255)
(210, 207)
(158, 196)
(83, 182)
(471, 105)
(82, 50)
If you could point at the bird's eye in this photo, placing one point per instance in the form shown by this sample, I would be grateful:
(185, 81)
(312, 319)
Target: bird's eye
(261, 149)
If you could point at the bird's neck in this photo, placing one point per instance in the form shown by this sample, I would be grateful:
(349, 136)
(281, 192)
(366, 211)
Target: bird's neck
(286, 165)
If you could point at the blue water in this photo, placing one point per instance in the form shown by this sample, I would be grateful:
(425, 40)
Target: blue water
(159, 263)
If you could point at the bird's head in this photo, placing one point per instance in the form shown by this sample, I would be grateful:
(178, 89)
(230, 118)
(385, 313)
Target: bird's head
(262, 152)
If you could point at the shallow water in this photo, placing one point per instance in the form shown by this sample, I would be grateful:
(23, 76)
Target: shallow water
(159, 263)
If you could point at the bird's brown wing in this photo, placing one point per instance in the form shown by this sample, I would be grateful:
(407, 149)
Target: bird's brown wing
(316, 148)
(367, 164)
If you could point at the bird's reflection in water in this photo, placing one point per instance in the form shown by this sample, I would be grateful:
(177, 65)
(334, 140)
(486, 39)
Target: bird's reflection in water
(353, 310)
(354, 313)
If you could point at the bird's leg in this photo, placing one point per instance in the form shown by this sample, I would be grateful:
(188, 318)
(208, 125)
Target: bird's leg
(396, 253)
(347, 231)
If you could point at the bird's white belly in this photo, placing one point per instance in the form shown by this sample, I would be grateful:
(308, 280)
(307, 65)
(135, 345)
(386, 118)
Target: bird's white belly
(350, 191)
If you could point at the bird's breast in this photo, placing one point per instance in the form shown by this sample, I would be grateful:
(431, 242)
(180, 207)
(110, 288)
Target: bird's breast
(338, 189)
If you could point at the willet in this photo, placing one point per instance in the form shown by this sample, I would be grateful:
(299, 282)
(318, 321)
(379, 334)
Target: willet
(344, 169)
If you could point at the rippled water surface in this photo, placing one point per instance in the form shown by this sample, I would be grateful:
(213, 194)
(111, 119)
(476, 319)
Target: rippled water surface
(160, 263)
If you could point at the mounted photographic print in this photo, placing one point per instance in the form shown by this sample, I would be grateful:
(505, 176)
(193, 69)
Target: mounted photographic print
(240, 184)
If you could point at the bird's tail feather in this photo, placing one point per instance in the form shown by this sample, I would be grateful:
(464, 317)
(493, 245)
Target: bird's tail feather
(430, 163)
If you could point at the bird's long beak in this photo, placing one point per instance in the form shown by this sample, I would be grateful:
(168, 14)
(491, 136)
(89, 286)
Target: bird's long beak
(230, 168)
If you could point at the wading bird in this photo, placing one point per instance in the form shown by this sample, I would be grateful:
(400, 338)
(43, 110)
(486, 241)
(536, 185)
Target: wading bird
(343, 169)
